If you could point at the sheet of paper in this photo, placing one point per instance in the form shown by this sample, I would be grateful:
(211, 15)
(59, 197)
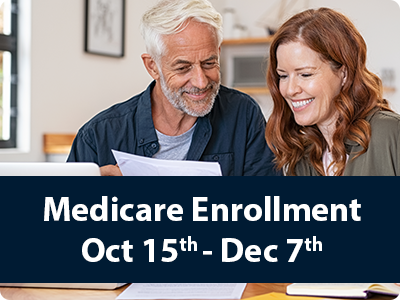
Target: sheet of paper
(183, 291)
(281, 296)
(135, 165)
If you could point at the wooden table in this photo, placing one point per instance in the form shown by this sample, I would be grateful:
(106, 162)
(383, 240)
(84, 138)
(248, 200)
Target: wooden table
(13, 293)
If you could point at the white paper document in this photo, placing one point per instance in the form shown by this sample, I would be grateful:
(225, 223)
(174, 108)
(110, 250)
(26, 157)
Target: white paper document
(183, 291)
(135, 165)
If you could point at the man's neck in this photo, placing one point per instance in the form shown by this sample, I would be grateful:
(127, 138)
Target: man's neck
(166, 118)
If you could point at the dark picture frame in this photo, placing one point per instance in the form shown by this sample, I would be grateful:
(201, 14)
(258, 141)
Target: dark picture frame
(105, 27)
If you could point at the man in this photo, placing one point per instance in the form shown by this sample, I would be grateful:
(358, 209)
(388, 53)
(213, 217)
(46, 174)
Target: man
(184, 114)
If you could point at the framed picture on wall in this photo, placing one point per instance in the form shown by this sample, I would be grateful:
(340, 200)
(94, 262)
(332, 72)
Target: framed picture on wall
(105, 27)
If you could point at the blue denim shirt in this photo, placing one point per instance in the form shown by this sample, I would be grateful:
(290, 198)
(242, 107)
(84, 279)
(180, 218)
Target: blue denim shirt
(231, 134)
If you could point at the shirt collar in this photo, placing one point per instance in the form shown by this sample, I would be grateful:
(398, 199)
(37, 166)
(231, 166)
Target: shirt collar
(146, 132)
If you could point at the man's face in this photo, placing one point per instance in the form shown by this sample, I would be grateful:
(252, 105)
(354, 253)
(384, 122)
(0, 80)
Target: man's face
(190, 72)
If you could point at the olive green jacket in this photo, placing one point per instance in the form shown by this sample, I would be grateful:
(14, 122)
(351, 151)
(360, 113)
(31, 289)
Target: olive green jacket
(383, 155)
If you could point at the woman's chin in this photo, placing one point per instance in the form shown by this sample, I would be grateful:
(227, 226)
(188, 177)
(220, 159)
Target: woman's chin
(302, 122)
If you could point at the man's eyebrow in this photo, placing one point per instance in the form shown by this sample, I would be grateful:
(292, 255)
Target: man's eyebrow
(212, 57)
(186, 62)
(181, 62)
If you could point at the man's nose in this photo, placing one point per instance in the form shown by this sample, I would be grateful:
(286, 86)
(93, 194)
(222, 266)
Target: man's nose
(199, 78)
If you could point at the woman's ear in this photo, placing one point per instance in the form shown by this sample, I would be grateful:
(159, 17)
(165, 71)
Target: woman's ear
(150, 66)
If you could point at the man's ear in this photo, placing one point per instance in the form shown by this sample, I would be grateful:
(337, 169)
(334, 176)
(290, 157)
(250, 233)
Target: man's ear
(150, 66)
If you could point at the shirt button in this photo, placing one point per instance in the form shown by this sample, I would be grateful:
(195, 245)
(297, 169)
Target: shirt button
(154, 145)
(216, 157)
(141, 141)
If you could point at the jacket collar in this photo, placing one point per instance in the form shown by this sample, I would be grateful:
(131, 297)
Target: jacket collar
(349, 144)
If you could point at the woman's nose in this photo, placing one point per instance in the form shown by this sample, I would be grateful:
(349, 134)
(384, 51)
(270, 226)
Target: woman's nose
(293, 87)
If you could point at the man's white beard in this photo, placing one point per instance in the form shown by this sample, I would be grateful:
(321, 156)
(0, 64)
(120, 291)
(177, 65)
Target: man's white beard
(180, 103)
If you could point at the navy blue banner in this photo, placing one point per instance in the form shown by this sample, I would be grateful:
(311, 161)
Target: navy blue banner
(199, 229)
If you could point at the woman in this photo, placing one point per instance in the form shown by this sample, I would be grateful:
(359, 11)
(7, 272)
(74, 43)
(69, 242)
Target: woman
(329, 117)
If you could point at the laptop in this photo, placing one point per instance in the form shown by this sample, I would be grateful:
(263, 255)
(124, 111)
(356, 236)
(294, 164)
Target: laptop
(89, 286)
(48, 169)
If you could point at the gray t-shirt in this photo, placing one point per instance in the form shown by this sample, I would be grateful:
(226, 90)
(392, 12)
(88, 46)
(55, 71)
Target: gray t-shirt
(174, 147)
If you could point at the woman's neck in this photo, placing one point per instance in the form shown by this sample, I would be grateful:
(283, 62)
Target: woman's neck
(328, 129)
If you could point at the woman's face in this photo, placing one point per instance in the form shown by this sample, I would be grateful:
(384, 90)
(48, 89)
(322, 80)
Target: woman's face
(308, 84)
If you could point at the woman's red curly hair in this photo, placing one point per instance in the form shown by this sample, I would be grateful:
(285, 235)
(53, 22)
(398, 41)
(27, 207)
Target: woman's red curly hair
(334, 37)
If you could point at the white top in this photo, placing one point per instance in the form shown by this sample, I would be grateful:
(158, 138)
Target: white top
(327, 159)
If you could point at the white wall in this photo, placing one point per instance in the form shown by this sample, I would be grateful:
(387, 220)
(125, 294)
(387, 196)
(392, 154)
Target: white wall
(377, 20)
(61, 86)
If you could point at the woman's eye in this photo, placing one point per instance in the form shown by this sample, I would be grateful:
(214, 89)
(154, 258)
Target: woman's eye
(306, 75)
(282, 76)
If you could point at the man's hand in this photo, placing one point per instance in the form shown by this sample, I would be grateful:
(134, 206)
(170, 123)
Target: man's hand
(110, 170)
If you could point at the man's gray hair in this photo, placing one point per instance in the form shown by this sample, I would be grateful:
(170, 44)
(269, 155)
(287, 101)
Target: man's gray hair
(171, 16)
